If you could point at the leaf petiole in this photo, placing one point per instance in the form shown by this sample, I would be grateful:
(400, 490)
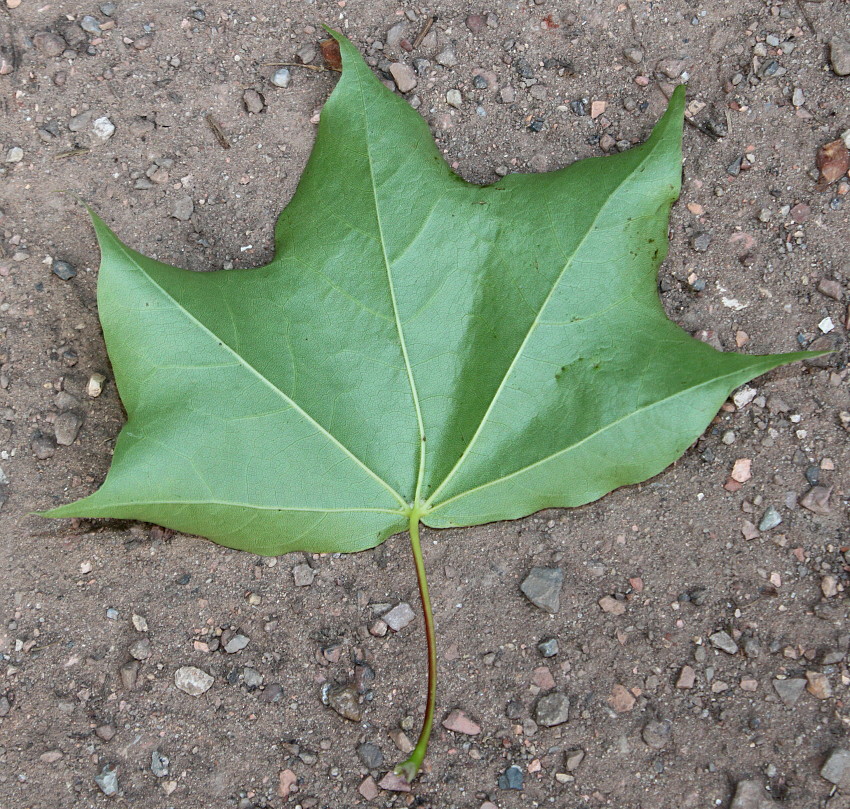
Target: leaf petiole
(411, 767)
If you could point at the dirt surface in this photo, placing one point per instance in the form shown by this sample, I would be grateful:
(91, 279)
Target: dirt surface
(753, 241)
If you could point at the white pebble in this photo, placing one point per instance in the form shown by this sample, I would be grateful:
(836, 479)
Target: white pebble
(103, 128)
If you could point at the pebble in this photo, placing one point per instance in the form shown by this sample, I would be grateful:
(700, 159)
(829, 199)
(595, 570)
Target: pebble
(107, 9)
(105, 732)
(816, 500)
(446, 57)
(552, 710)
(750, 795)
(273, 693)
(399, 616)
(701, 242)
(103, 128)
(90, 25)
(403, 76)
(476, 23)
(15, 155)
(369, 789)
(285, 781)
(395, 35)
(611, 605)
(634, 55)
(829, 586)
(129, 672)
(621, 700)
(723, 641)
(253, 101)
(687, 677)
(281, 78)
(107, 781)
(43, 446)
(836, 770)
(371, 755)
(770, 519)
(67, 427)
(511, 778)
(49, 44)
(819, 686)
(542, 587)
(832, 289)
(51, 756)
(657, 734)
(454, 98)
(237, 643)
(159, 764)
(573, 759)
(141, 649)
(192, 681)
(306, 54)
(798, 97)
(64, 270)
(252, 678)
(5, 706)
(140, 623)
(345, 701)
(458, 722)
(182, 208)
(94, 387)
(790, 690)
(839, 56)
(303, 575)
(394, 783)
(548, 647)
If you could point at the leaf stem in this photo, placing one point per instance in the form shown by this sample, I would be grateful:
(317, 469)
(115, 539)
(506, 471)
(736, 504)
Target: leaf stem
(410, 768)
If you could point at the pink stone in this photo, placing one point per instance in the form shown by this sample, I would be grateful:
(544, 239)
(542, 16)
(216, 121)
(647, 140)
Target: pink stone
(459, 722)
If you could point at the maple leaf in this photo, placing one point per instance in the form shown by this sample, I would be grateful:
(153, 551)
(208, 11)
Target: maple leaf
(419, 349)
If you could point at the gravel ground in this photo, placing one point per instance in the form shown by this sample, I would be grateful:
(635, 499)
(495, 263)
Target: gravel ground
(701, 624)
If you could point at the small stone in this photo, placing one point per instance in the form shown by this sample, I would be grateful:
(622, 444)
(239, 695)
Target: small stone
(371, 755)
(15, 155)
(701, 242)
(839, 56)
(543, 679)
(140, 624)
(634, 55)
(129, 672)
(394, 783)
(816, 500)
(272, 694)
(192, 681)
(687, 677)
(107, 781)
(399, 616)
(286, 780)
(447, 57)
(621, 700)
(5, 706)
(43, 446)
(819, 686)
(253, 101)
(548, 647)
(252, 678)
(770, 519)
(105, 732)
(749, 531)
(400, 740)
(306, 54)
(836, 770)
(742, 470)
(395, 35)
(107, 9)
(507, 95)
(511, 778)
(552, 710)
(542, 587)
(573, 759)
(94, 387)
(671, 68)
(103, 128)
(744, 396)
(723, 641)
(51, 756)
(790, 690)
(458, 722)
(800, 213)
(454, 98)
(66, 428)
(49, 44)
(798, 97)
(345, 700)
(141, 649)
(832, 289)
(303, 575)
(657, 734)
(281, 78)
(751, 795)
(403, 76)
(90, 25)
(611, 605)
(829, 586)
(159, 764)
(182, 208)
(369, 789)
(64, 270)
(476, 23)
(752, 647)
(236, 644)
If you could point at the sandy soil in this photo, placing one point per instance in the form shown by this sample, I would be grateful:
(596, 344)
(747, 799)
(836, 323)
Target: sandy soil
(680, 552)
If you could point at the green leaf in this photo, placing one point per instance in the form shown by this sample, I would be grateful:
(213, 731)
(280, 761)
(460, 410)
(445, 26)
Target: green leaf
(418, 343)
